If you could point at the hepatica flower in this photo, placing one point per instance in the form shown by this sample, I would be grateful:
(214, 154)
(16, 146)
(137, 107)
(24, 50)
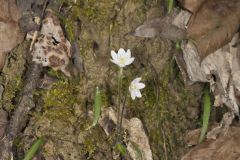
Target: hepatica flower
(122, 58)
(135, 87)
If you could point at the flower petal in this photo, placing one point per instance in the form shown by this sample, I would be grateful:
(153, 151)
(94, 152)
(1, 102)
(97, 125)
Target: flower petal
(114, 55)
(130, 88)
(128, 53)
(133, 96)
(114, 61)
(121, 52)
(136, 80)
(129, 61)
(138, 93)
(140, 85)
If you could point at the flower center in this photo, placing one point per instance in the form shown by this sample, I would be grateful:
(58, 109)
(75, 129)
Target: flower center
(122, 60)
(134, 87)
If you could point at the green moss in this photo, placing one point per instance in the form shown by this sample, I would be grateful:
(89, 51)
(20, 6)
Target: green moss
(97, 12)
(12, 77)
(85, 46)
(95, 141)
(90, 146)
(17, 142)
(12, 87)
(59, 101)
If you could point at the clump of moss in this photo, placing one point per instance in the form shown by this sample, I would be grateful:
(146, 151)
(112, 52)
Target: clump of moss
(59, 101)
(12, 87)
(12, 77)
(96, 142)
(97, 12)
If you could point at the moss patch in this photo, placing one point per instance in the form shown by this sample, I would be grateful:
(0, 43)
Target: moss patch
(59, 101)
(12, 78)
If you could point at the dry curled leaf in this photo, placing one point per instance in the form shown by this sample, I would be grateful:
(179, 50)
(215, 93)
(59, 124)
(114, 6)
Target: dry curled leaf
(10, 34)
(161, 27)
(213, 25)
(192, 5)
(224, 148)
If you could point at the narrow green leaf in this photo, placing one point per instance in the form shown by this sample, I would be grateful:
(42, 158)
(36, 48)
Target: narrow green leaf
(97, 107)
(206, 113)
(33, 150)
(170, 5)
(121, 149)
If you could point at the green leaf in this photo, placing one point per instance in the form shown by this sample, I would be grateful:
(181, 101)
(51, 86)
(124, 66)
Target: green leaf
(33, 150)
(206, 113)
(121, 149)
(97, 107)
(170, 5)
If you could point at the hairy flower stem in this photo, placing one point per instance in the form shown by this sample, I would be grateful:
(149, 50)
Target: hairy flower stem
(120, 76)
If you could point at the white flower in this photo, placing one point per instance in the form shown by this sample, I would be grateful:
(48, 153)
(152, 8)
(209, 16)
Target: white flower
(135, 87)
(122, 58)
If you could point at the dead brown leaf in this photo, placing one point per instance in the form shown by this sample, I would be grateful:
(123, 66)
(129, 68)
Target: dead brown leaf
(192, 5)
(213, 25)
(10, 34)
(224, 148)
(161, 27)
